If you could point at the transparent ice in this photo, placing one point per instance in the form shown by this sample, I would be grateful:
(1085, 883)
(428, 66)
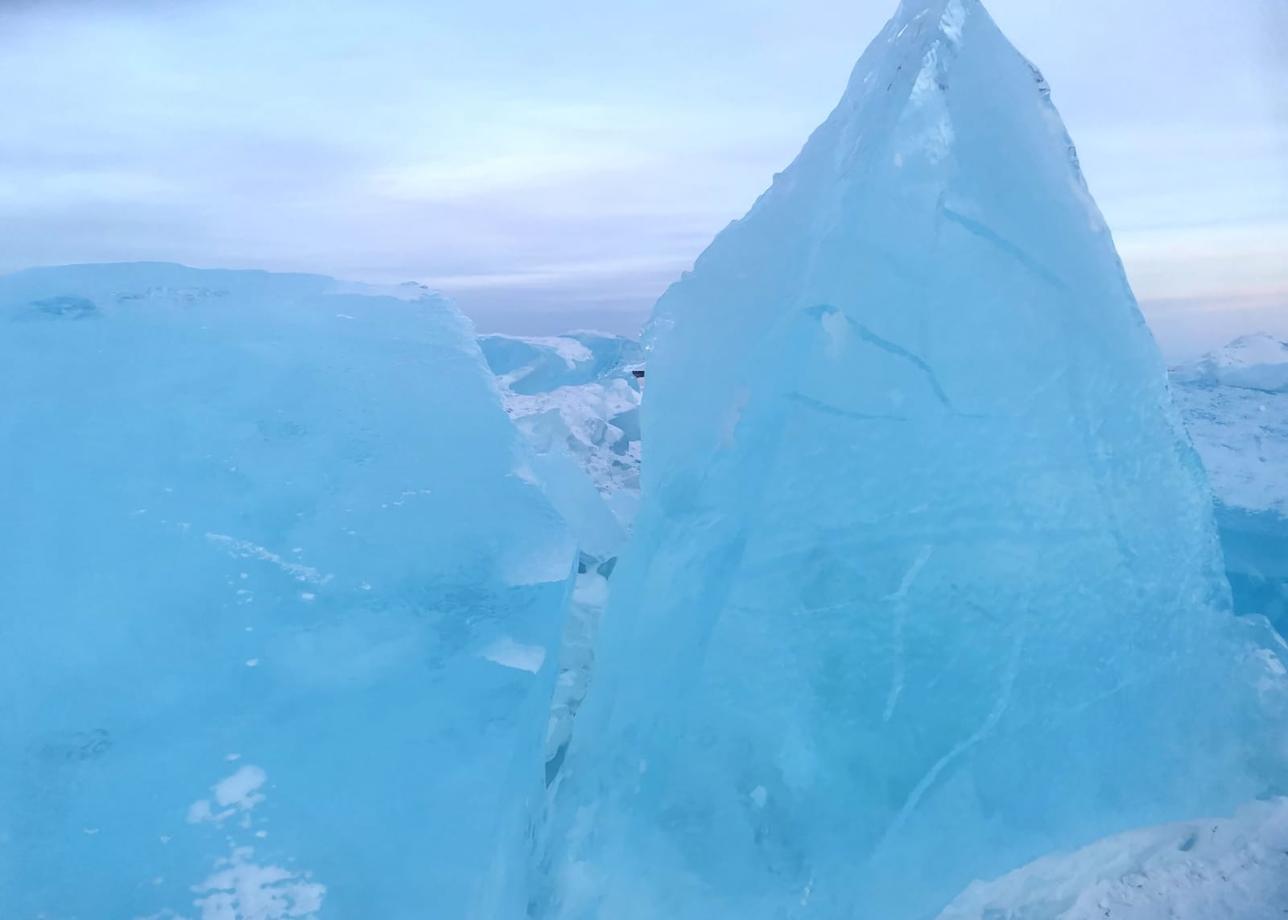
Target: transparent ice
(576, 395)
(925, 582)
(281, 603)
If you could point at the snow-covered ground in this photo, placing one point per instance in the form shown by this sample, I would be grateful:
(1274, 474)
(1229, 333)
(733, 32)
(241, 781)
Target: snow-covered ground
(1235, 404)
(1220, 869)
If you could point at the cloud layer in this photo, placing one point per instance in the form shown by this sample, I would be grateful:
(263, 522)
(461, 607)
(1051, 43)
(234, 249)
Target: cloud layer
(528, 162)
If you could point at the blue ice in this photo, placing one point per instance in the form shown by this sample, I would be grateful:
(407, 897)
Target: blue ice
(282, 603)
(925, 582)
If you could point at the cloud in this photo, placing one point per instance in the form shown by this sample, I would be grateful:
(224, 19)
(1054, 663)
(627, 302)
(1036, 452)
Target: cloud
(525, 163)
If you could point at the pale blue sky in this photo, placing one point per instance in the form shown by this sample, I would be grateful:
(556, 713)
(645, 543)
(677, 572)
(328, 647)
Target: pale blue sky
(558, 164)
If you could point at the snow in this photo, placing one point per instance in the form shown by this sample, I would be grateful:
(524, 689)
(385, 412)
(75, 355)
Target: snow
(575, 397)
(1235, 405)
(240, 889)
(543, 363)
(576, 400)
(924, 583)
(241, 789)
(1254, 362)
(916, 610)
(238, 792)
(1219, 869)
(276, 515)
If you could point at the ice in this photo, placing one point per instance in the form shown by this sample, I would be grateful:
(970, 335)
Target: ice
(576, 399)
(925, 582)
(540, 364)
(1219, 869)
(1237, 413)
(577, 396)
(1235, 404)
(576, 656)
(281, 602)
(1257, 362)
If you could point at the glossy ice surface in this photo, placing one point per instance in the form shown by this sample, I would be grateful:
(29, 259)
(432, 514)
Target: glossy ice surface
(281, 604)
(925, 582)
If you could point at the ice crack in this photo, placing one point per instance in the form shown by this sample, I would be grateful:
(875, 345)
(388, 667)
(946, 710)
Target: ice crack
(989, 235)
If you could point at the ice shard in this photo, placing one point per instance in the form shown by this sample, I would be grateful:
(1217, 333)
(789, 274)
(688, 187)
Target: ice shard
(575, 397)
(925, 582)
(576, 400)
(279, 603)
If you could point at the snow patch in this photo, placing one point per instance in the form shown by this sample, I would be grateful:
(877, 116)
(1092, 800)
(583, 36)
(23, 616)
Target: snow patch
(241, 889)
(1234, 868)
(232, 794)
(244, 549)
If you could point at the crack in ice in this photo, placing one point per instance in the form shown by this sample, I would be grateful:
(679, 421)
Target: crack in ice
(901, 613)
(1000, 242)
(990, 722)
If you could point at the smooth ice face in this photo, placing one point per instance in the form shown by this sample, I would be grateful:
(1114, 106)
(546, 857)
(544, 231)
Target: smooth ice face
(280, 609)
(925, 582)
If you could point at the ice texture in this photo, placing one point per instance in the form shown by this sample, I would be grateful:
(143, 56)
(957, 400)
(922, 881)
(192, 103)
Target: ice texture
(1235, 404)
(280, 601)
(541, 364)
(578, 395)
(1218, 869)
(576, 398)
(925, 582)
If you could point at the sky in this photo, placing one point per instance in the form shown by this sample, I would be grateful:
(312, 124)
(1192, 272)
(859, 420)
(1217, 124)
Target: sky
(552, 166)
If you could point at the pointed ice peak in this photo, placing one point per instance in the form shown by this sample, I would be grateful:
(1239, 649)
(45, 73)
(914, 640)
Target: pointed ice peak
(914, 497)
(949, 16)
(932, 65)
(914, 32)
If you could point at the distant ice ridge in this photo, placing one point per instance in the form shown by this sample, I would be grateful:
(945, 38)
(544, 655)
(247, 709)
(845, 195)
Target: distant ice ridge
(1235, 403)
(1257, 362)
(280, 603)
(576, 394)
(924, 584)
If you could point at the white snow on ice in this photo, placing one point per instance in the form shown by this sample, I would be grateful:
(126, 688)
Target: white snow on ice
(1221, 869)
(1235, 405)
